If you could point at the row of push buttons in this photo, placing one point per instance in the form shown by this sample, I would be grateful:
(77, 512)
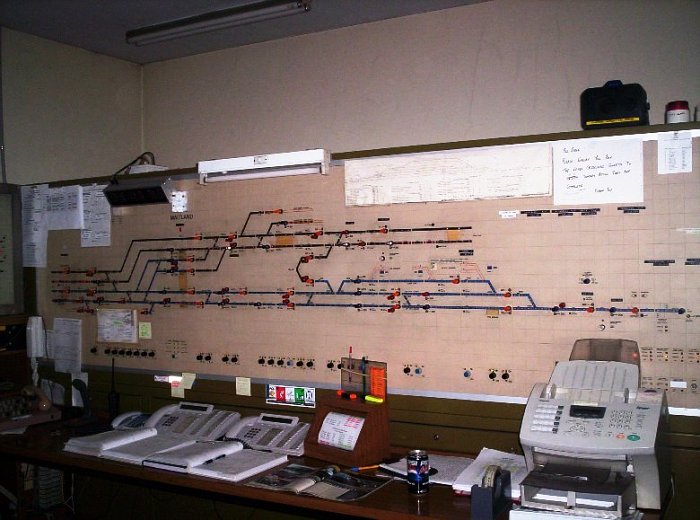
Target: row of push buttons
(546, 418)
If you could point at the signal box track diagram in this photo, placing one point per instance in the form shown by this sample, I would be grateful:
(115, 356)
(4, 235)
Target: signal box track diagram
(280, 276)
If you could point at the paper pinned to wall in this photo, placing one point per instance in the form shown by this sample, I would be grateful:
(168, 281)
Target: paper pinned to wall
(65, 345)
(490, 172)
(117, 326)
(675, 153)
(35, 225)
(97, 216)
(598, 171)
(66, 207)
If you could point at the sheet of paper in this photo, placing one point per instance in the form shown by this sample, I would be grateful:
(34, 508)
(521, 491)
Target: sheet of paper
(176, 387)
(340, 430)
(474, 473)
(598, 171)
(243, 386)
(465, 174)
(117, 326)
(97, 218)
(55, 391)
(444, 469)
(66, 207)
(35, 225)
(65, 345)
(675, 153)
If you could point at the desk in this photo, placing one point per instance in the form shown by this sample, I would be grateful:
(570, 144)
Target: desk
(43, 445)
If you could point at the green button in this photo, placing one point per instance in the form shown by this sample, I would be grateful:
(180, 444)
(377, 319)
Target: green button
(633, 437)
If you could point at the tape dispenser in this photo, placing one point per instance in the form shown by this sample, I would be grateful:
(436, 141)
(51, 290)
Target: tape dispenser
(492, 497)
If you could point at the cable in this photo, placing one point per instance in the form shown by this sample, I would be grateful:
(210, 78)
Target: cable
(144, 158)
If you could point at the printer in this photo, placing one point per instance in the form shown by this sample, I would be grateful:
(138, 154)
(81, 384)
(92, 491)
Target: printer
(592, 438)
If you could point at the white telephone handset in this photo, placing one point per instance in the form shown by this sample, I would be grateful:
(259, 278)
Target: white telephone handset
(130, 420)
(275, 433)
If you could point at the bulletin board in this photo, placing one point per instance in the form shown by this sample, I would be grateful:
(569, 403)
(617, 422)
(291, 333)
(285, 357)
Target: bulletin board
(275, 279)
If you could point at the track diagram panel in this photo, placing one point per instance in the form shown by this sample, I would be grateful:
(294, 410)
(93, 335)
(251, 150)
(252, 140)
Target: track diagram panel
(276, 278)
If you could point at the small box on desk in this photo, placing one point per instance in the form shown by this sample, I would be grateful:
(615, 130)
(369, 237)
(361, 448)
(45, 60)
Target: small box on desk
(331, 442)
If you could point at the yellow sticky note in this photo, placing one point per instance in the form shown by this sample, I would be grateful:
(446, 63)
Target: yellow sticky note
(145, 330)
(188, 380)
(243, 386)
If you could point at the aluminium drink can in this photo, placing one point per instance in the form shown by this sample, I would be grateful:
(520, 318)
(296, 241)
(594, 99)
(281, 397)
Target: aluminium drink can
(418, 472)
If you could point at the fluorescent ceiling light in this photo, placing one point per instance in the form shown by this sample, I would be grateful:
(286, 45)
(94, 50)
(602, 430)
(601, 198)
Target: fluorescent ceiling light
(305, 162)
(216, 20)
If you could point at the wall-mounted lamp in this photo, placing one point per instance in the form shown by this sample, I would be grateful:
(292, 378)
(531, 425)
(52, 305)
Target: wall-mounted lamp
(264, 166)
(139, 192)
(216, 20)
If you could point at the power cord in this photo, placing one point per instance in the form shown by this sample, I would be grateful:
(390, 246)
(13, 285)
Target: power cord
(144, 158)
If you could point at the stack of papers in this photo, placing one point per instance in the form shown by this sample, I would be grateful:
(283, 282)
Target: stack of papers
(474, 474)
(444, 469)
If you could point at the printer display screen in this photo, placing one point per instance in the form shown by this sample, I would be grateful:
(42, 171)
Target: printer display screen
(587, 412)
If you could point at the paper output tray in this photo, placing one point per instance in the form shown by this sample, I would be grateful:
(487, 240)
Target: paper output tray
(598, 491)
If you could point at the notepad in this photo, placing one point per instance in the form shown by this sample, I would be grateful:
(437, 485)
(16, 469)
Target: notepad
(183, 459)
(239, 465)
(98, 443)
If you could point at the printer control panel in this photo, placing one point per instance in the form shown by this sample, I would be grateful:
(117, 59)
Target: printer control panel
(558, 423)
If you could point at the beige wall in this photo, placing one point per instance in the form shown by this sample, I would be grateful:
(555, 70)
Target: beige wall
(506, 67)
(68, 113)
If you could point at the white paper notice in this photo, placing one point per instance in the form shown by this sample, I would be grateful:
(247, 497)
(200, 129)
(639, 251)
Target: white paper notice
(117, 326)
(35, 225)
(340, 430)
(675, 153)
(97, 217)
(66, 207)
(65, 345)
(598, 171)
(473, 173)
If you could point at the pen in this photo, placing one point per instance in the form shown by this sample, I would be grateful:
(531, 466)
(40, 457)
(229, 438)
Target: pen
(350, 367)
(362, 369)
(364, 468)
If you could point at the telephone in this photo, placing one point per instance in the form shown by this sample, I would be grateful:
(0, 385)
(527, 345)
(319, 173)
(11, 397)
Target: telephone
(275, 433)
(192, 420)
(172, 426)
(130, 420)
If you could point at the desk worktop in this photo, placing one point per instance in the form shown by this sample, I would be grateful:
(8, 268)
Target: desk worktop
(43, 445)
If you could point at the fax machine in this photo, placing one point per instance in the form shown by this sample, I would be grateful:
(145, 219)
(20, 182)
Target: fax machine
(591, 436)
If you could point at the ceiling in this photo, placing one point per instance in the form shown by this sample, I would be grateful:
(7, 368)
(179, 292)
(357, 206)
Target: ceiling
(100, 25)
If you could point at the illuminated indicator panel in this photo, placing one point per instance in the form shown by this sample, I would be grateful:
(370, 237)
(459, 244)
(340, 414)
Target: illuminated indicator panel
(282, 276)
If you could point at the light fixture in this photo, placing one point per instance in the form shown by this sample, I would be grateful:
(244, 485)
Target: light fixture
(139, 192)
(215, 20)
(305, 162)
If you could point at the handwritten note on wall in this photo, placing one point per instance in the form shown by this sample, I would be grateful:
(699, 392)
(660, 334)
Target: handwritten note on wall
(596, 171)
